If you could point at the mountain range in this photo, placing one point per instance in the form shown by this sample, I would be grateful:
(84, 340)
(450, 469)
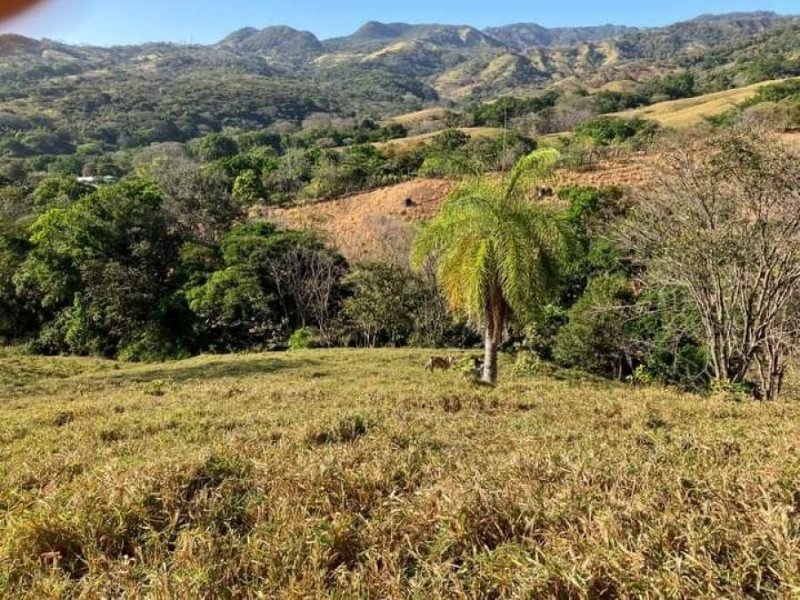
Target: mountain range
(253, 78)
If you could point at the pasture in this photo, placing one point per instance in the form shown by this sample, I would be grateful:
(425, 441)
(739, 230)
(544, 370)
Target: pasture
(354, 473)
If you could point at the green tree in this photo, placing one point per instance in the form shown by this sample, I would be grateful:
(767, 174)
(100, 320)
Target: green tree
(497, 255)
(214, 147)
(449, 140)
(384, 302)
(58, 191)
(15, 318)
(608, 131)
(597, 337)
(269, 283)
(247, 188)
(105, 268)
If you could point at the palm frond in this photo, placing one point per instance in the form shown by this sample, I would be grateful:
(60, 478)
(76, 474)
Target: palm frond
(486, 237)
(537, 165)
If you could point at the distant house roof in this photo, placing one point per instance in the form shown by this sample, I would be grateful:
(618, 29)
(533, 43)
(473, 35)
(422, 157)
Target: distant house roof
(97, 180)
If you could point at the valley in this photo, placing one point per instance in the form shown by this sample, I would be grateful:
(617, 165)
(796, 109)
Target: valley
(422, 311)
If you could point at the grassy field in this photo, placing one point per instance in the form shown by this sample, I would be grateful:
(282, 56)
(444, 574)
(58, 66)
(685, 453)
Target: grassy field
(410, 143)
(357, 474)
(692, 111)
(420, 116)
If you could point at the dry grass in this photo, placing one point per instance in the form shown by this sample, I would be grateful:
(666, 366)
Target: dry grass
(791, 139)
(356, 474)
(692, 111)
(628, 170)
(419, 116)
(410, 143)
(367, 225)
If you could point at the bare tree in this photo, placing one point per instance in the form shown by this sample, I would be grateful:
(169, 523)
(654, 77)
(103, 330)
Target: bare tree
(309, 278)
(196, 201)
(722, 221)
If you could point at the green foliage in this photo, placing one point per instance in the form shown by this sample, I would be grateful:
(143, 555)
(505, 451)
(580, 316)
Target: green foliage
(17, 319)
(501, 111)
(592, 214)
(383, 305)
(526, 364)
(252, 300)
(775, 92)
(499, 153)
(448, 140)
(247, 188)
(765, 68)
(670, 334)
(606, 101)
(156, 343)
(454, 154)
(673, 87)
(235, 310)
(303, 338)
(214, 147)
(104, 263)
(596, 336)
(608, 131)
(357, 168)
(451, 165)
(486, 235)
(496, 254)
(57, 191)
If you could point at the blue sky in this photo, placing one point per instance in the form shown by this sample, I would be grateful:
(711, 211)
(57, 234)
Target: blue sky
(107, 22)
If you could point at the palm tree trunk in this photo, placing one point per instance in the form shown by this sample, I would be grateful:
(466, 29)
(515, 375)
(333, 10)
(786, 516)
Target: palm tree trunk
(491, 341)
(490, 357)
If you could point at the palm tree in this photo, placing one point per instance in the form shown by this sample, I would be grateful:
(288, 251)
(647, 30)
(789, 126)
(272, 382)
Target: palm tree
(496, 253)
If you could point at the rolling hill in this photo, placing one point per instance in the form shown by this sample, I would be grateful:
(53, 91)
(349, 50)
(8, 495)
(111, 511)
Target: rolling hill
(691, 111)
(59, 97)
(365, 226)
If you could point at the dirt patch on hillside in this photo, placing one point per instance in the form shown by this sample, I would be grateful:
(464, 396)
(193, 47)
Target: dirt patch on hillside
(379, 223)
(629, 171)
(792, 140)
(371, 224)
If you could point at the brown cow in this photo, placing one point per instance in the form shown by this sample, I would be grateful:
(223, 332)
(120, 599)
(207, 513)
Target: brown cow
(439, 362)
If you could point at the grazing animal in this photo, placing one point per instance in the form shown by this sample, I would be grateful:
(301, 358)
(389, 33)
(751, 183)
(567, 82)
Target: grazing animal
(545, 192)
(477, 367)
(438, 362)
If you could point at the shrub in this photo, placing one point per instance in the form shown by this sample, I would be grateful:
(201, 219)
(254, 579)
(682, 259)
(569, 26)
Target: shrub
(607, 131)
(304, 338)
(526, 364)
(596, 337)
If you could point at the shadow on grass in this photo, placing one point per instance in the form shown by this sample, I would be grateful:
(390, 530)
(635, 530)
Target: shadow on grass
(210, 370)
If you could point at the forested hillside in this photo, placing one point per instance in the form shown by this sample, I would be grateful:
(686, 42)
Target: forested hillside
(56, 98)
